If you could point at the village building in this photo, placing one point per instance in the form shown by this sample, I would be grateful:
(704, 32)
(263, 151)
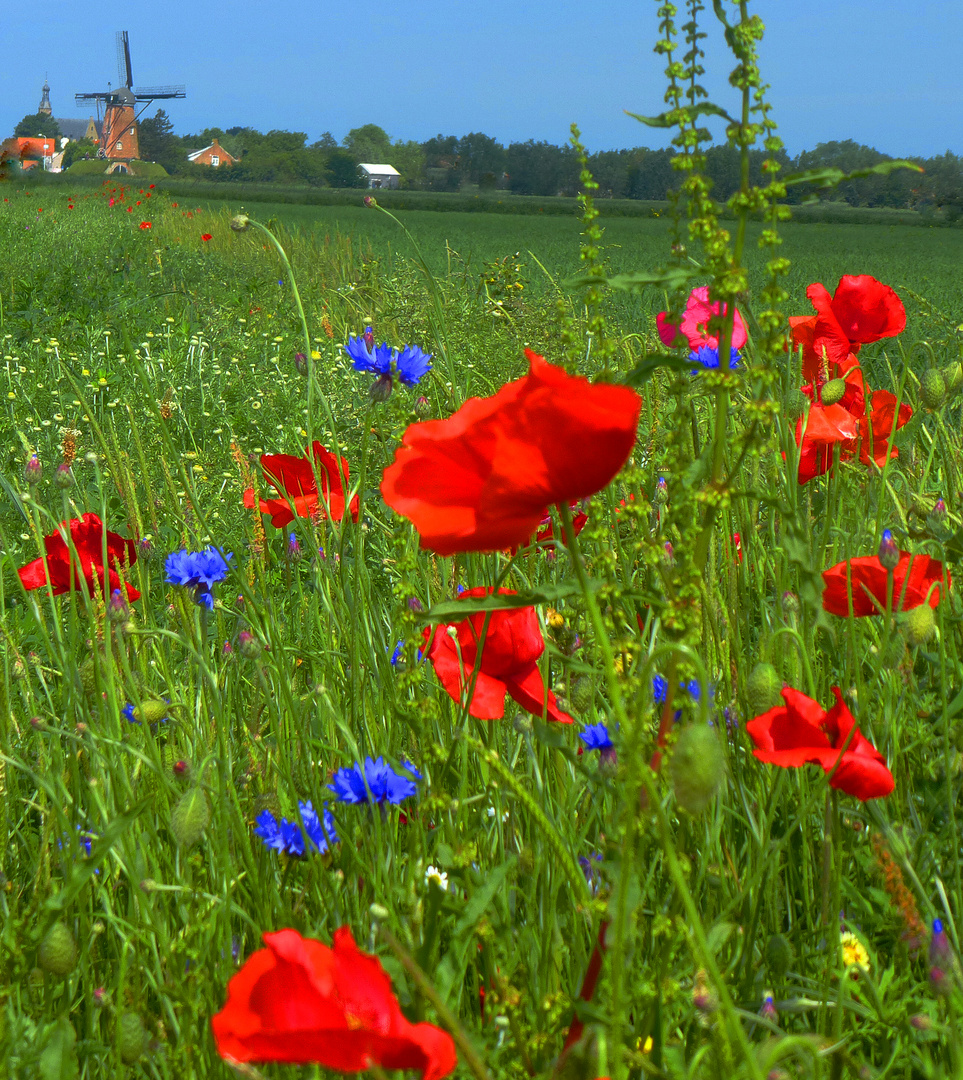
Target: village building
(380, 176)
(214, 155)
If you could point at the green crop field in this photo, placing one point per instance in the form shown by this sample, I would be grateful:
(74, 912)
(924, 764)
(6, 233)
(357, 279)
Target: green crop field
(612, 702)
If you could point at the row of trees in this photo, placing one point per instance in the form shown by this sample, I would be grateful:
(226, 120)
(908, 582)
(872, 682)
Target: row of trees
(451, 163)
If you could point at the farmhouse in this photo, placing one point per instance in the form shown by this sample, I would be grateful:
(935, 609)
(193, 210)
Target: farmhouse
(214, 155)
(380, 176)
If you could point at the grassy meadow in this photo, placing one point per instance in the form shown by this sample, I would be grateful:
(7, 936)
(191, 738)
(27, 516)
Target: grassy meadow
(754, 921)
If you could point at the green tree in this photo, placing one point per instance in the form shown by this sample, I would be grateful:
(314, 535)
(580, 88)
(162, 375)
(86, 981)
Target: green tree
(37, 124)
(409, 159)
(326, 142)
(158, 142)
(368, 143)
(343, 170)
(78, 150)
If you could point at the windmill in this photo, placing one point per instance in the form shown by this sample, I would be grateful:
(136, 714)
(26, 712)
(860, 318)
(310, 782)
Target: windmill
(123, 108)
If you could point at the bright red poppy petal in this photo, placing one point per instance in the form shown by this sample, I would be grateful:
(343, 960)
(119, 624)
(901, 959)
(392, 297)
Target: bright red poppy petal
(33, 575)
(488, 697)
(867, 310)
(527, 688)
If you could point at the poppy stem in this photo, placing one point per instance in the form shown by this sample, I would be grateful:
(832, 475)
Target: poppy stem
(445, 1015)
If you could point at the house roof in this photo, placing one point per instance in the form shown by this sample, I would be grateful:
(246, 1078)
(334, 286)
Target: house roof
(31, 147)
(197, 153)
(73, 128)
(384, 170)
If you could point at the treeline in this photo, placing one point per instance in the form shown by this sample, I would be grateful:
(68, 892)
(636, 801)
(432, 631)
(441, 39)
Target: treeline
(478, 162)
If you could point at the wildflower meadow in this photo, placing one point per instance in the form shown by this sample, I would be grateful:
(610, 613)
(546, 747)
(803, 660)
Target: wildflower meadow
(404, 672)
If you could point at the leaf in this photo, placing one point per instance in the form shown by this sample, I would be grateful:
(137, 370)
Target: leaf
(458, 610)
(954, 546)
(672, 278)
(670, 119)
(642, 372)
(831, 177)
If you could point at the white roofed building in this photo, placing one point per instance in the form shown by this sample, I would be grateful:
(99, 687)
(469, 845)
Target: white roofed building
(380, 176)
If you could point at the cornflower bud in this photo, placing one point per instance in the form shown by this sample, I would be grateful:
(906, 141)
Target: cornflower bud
(301, 363)
(33, 471)
(370, 201)
(768, 1010)
(422, 408)
(381, 388)
(888, 551)
(368, 336)
(661, 496)
(294, 548)
(64, 477)
(248, 645)
(118, 610)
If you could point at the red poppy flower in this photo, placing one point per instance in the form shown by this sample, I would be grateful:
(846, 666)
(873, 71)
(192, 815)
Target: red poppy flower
(483, 479)
(694, 327)
(295, 477)
(802, 732)
(917, 580)
(145, 225)
(876, 430)
(547, 530)
(862, 310)
(87, 536)
(300, 1002)
(206, 236)
(508, 665)
(816, 435)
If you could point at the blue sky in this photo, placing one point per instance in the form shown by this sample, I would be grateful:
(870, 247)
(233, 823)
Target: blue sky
(882, 73)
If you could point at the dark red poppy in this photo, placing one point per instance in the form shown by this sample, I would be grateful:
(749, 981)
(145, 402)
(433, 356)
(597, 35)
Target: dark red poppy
(206, 236)
(917, 580)
(295, 478)
(693, 330)
(89, 539)
(509, 658)
(483, 479)
(300, 1002)
(802, 732)
(862, 310)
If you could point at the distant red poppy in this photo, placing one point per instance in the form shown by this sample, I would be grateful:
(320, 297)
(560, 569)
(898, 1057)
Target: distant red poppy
(508, 665)
(694, 327)
(70, 206)
(917, 580)
(862, 310)
(294, 477)
(301, 1002)
(174, 204)
(483, 479)
(206, 236)
(145, 225)
(802, 732)
(88, 538)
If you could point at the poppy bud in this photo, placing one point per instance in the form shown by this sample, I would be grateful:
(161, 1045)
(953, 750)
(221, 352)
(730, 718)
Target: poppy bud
(240, 223)
(190, 817)
(63, 477)
(131, 1038)
(888, 551)
(696, 767)
(933, 389)
(58, 950)
(919, 625)
(301, 363)
(33, 471)
(796, 405)
(583, 692)
(778, 955)
(833, 392)
(953, 376)
(763, 688)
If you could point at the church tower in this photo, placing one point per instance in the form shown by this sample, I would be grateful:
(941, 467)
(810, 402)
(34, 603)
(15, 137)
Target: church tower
(45, 108)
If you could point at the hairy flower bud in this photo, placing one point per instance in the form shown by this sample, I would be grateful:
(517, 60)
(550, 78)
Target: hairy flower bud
(933, 389)
(796, 405)
(58, 950)
(190, 817)
(763, 688)
(131, 1038)
(833, 392)
(778, 955)
(696, 767)
(919, 625)
(240, 223)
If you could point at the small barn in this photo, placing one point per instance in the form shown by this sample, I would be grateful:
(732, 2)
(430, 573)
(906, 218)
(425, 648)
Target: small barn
(214, 155)
(380, 176)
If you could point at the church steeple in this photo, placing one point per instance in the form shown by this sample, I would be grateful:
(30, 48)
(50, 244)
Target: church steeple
(45, 108)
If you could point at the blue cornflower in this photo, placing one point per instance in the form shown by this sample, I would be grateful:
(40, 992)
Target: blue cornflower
(376, 782)
(365, 356)
(659, 688)
(288, 837)
(596, 737)
(412, 365)
(198, 570)
(593, 877)
(396, 655)
(708, 357)
(409, 363)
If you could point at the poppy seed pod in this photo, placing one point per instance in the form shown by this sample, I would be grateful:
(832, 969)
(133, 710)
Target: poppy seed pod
(933, 389)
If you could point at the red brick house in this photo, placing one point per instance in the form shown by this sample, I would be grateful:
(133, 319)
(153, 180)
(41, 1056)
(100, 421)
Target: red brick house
(33, 151)
(214, 155)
